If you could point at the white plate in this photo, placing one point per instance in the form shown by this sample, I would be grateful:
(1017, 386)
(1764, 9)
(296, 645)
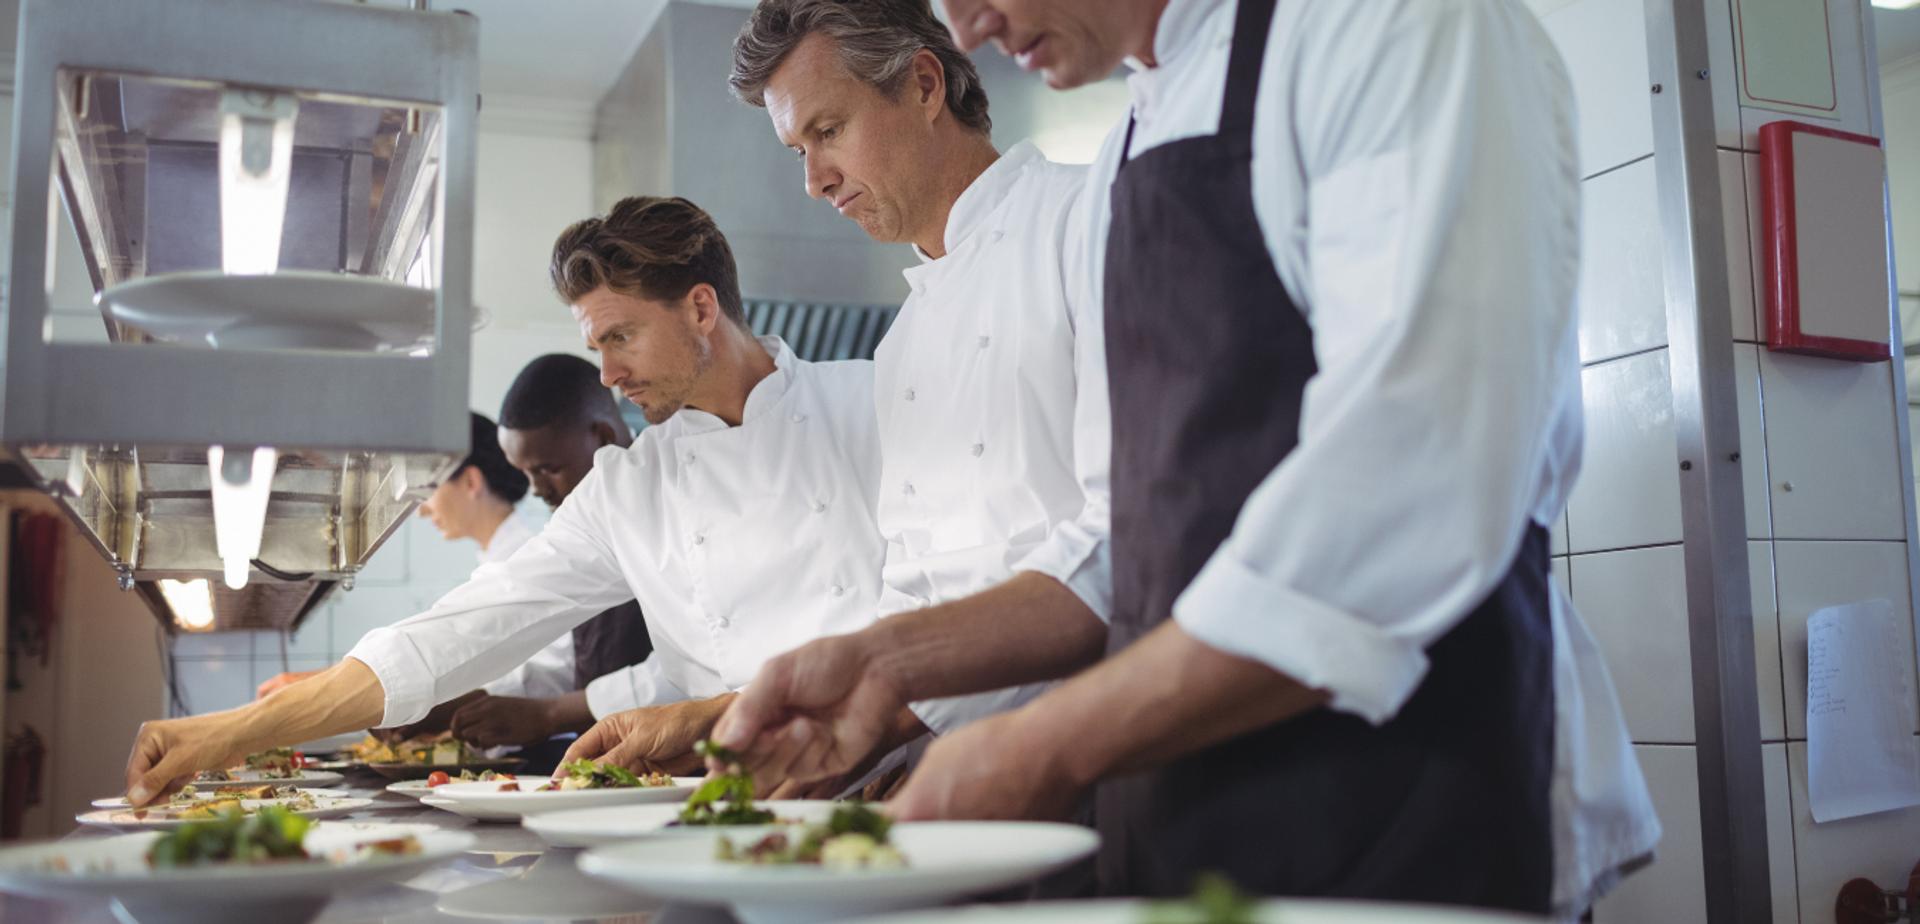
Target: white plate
(117, 866)
(592, 827)
(120, 802)
(946, 860)
(467, 811)
(288, 309)
(1290, 911)
(147, 818)
(301, 777)
(487, 796)
(412, 789)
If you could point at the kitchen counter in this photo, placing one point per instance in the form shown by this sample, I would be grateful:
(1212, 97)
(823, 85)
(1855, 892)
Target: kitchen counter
(509, 874)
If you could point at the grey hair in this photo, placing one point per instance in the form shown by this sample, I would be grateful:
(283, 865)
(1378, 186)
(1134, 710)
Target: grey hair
(877, 39)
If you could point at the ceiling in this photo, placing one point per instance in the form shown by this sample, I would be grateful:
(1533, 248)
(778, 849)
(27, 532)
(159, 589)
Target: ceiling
(1898, 34)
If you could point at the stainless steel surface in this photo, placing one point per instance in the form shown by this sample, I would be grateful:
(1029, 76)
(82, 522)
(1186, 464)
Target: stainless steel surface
(117, 119)
(507, 870)
(1733, 816)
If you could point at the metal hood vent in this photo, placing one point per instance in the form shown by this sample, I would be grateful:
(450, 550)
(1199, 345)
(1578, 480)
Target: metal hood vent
(274, 205)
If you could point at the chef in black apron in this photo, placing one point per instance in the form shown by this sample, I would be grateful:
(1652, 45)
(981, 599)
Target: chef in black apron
(1417, 642)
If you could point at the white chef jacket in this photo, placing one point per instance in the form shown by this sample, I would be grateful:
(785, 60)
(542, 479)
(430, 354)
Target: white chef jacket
(740, 543)
(995, 459)
(1413, 165)
(550, 671)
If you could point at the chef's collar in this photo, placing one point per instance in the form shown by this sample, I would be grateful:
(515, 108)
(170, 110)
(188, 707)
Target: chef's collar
(983, 196)
(1180, 28)
(768, 391)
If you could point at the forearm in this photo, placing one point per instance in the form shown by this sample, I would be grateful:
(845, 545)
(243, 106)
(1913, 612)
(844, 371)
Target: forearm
(1029, 629)
(1163, 697)
(345, 697)
(569, 713)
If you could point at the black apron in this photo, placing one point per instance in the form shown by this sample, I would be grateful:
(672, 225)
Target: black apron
(608, 642)
(1208, 358)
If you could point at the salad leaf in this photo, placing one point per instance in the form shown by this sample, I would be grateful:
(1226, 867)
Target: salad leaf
(273, 833)
(1215, 900)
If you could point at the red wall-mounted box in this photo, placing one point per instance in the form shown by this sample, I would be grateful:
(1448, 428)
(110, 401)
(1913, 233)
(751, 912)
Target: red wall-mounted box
(1823, 229)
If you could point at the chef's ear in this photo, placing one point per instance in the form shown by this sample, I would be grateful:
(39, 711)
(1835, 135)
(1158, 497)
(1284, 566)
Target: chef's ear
(929, 84)
(706, 306)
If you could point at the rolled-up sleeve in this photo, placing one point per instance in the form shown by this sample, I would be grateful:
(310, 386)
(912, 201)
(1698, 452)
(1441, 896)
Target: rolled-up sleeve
(632, 687)
(1440, 261)
(503, 615)
(1075, 551)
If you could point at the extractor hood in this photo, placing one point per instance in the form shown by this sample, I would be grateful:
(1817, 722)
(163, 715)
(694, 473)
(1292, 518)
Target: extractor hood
(274, 204)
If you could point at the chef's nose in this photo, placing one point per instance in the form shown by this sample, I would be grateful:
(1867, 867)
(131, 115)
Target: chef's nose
(822, 179)
(611, 375)
(974, 22)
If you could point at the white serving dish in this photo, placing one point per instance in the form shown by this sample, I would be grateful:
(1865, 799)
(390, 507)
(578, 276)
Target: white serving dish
(946, 860)
(1288, 911)
(487, 796)
(593, 827)
(283, 892)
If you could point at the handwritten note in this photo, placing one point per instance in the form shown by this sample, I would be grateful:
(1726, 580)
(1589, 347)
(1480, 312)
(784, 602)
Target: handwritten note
(1861, 754)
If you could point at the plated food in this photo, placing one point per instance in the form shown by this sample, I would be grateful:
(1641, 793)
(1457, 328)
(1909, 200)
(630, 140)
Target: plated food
(946, 860)
(853, 837)
(270, 873)
(725, 798)
(192, 804)
(595, 826)
(252, 775)
(437, 750)
(580, 785)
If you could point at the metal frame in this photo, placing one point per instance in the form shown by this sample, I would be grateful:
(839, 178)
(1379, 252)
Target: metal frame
(1706, 414)
(64, 393)
(1876, 126)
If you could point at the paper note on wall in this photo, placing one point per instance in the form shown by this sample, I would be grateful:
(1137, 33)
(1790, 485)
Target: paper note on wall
(1861, 754)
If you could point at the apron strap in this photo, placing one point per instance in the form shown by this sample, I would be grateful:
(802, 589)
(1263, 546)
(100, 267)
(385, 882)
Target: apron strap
(1252, 22)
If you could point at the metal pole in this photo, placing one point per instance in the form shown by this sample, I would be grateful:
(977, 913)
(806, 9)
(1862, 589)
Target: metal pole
(1706, 416)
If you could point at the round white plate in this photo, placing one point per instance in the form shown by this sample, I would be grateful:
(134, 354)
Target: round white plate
(158, 818)
(300, 777)
(467, 811)
(488, 797)
(552, 889)
(292, 309)
(117, 866)
(1289, 911)
(945, 860)
(412, 789)
(205, 794)
(592, 827)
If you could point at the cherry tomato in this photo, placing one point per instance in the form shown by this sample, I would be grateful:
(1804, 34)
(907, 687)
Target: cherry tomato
(438, 778)
(299, 760)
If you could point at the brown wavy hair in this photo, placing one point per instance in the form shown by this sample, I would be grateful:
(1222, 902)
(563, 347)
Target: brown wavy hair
(651, 247)
(877, 40)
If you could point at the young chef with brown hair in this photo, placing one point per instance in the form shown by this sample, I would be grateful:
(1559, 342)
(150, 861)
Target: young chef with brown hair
(1335, 244)
(742, 520)
(555, 419)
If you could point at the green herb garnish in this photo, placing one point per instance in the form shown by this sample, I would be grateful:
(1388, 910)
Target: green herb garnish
(725, 798)
(1215, 900)
(272, 833)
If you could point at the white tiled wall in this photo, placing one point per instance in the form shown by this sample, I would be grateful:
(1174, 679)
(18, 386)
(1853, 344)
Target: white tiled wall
(1827, 428)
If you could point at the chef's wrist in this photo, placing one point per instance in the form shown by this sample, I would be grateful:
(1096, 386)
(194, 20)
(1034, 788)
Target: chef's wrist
(882, 655)
(568, 713)
(1045, 736)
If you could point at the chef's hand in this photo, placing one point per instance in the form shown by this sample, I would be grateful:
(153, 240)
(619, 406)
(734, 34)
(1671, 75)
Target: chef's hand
(277, 681)
(435, 722)
(168, 752)
(993, 769)
(812, 714)
(652, 739)
(498, 721)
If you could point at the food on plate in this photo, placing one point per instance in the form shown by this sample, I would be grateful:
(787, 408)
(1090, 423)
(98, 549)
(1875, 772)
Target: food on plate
(442, 750)
(725, 798)
(588, 774)
(854, 837)
(192, 792)
(277, 764)
(194, 804)
(272, 834)
(265, 836)
(440, 777)
(213, 776)
(1214, 901)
